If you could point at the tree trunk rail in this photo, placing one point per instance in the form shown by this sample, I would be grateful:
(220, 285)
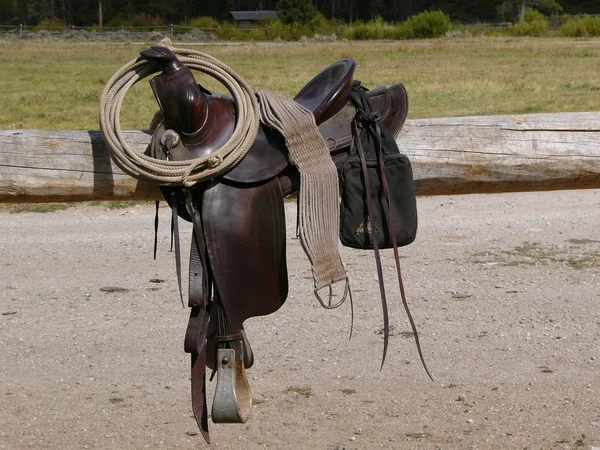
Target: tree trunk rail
(458, 155)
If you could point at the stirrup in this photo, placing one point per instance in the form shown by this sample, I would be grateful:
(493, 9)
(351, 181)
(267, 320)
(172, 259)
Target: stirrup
(232, 402)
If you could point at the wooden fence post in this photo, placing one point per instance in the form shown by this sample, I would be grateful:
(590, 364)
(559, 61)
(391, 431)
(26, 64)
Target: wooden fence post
(457, 155)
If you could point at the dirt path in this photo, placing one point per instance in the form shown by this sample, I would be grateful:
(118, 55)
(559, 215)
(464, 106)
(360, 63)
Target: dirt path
(505, 290)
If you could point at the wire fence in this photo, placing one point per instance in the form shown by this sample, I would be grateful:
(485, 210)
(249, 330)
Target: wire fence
(25, 32)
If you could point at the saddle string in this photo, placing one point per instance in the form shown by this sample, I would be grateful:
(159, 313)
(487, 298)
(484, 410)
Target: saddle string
(157, 204)
(351, 312)
(363, 163)
(175, 237)
(386, 193)
(172, 232)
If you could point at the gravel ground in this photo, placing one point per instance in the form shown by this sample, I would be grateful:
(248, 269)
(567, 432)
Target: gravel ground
(505, 290)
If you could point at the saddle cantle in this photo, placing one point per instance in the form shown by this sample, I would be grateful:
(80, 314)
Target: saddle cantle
(327, 93)
(237, 260)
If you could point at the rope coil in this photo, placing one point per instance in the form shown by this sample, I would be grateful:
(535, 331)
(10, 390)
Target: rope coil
(190, 172)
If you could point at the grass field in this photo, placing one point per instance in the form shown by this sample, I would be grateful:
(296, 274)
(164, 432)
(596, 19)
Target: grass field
(58, 85)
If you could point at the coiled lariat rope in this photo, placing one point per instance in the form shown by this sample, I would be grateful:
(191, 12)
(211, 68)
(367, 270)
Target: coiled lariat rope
(189, 172)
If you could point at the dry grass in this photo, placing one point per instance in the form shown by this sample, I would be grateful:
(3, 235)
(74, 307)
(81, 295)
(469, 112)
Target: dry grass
(57, 85)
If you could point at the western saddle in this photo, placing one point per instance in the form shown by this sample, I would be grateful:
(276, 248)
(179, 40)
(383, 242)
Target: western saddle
(237, 266)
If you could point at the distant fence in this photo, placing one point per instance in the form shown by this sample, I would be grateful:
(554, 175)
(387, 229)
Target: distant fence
(171, 30)
(25, 32)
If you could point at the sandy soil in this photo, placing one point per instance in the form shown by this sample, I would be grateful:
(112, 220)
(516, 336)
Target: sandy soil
(505, 290)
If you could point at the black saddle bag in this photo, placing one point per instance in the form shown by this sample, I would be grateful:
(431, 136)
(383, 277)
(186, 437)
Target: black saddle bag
(384, 175)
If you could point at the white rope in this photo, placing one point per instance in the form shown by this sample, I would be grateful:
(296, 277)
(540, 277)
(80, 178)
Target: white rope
(189, 172)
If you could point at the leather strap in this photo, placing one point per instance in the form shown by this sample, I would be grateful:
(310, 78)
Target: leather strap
(175, 237)
(200, 284)
(363, 163)
(375, 119)
(157, 204)
(386, 193)
(195, 342)
(199, 301)
(199, 394)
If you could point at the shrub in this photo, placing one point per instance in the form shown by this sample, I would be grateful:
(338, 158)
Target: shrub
(279, 30)
(379, 29)
(203, 22)
(50, 24)
(356, 31)
(374, 29)
(581, 27)
(298, 30)
(320, 25)
(428, 24)
(256, 34)
(534, 24)
(338, 27)
(533, 15)
(402, 31)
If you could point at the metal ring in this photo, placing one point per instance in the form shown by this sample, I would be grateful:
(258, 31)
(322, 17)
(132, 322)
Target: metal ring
(329, 305)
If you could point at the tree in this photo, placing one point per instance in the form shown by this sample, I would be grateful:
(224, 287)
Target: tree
(300, 11)
(547, 7)
(8, 10)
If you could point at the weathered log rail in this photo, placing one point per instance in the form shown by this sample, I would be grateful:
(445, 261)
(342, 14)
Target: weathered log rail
(449, 156)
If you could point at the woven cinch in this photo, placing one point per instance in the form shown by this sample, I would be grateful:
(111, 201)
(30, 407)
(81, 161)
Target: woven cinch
(319, 186)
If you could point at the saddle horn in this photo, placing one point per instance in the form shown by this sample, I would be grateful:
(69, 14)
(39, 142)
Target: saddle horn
(179, 97)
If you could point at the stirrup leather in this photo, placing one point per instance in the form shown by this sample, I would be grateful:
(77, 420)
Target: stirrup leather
(212, 346)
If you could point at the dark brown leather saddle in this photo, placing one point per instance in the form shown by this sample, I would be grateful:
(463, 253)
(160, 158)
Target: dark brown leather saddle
(238, 260)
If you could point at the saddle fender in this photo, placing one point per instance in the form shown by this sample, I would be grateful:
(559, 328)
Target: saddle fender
(245, 240)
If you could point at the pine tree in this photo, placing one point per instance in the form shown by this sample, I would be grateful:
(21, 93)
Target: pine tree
(300, 11)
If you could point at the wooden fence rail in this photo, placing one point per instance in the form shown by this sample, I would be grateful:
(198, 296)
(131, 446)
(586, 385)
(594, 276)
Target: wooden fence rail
(449, 155)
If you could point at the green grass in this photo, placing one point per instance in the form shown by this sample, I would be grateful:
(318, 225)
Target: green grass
(58, 85)
(580, 255)
(581, 442)
(53, 207)
(303, 391)
(38, 208)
